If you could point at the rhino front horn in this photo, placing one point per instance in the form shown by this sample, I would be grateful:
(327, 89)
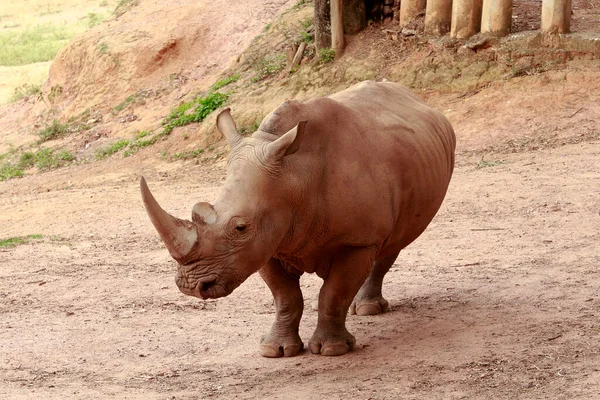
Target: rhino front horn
(179, 235)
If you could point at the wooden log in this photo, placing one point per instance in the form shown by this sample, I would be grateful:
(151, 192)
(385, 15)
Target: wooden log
(556, 16)
(298, 57)
(438, 17)
(410, 9)
(466, 18)
(496, 17)
(322, 24)
(337, 27)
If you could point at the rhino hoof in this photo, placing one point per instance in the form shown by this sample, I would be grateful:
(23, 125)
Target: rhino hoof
(372, 307)
(332, 347)
(274, 350)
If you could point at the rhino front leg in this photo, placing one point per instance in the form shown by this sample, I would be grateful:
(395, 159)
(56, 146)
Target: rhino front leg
(283, 340)
(347, 273)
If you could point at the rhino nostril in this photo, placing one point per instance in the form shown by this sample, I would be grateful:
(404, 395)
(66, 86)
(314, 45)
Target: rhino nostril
(204, 286)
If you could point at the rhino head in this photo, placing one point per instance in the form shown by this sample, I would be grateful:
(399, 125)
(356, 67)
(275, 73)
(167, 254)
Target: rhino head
(226, 242)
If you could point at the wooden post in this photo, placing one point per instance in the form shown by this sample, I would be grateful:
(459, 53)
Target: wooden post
(438, 17)
(337, 27)
(496, 17)
(322, 24)
(556, 16)
(410, 9)
(466, 18)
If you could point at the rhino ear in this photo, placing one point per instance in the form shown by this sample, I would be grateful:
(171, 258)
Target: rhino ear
(203, 213)
(226, 126)
(288, 143)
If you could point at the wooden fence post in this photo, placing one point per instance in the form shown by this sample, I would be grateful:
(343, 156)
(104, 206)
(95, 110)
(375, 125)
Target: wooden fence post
(556, 16)
(496, 17)
(337, 27)
(438, 17)
(466, 18)
(410, 9)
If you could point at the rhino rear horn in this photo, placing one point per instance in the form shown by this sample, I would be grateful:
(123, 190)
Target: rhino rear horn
(179, 235)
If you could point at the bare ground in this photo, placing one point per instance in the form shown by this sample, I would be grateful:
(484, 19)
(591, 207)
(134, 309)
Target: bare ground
(498, 299)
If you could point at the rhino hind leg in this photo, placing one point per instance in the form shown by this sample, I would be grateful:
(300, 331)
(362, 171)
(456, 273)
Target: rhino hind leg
(369, 300)
(347, 273)
(283, 340)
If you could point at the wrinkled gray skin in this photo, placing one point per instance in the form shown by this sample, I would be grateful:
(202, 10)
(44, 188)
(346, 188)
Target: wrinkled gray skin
(338, 195)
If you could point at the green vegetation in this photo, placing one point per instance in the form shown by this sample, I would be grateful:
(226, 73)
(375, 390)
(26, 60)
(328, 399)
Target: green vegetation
(34, 44)
(43, 159)
(9, 171)
(112, 149)
(267, 66)
(248, 130)
(25, 91)
(103, 48)
(186, 155)
(200, 108)
(224, 82)
(142, 134)
(94, 19)
(124, 6)
(299, 4)
(53, 131)
(326, 55)
(17, 240)
(485, 164)
(139, 144)
(129, 100)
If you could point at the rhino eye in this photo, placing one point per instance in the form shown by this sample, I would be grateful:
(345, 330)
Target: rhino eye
(240, 227)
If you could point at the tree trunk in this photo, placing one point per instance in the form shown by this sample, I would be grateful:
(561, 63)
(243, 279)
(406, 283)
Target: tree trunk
(355, 16)
(322, 24)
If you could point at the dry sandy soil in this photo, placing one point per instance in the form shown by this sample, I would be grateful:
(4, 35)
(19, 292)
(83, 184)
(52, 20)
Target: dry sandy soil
(499, 299)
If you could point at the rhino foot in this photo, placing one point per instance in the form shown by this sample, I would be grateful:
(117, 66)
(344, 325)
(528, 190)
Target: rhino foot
(369, 306)
(273, 346)
(332, 345)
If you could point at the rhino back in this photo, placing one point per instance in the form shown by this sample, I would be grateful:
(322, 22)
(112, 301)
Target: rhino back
(376, 160)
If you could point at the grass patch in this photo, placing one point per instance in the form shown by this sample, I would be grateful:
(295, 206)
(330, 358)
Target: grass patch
(9, 171)
(486, 164)
(186, 155)
(46, 159)
(224, 82)
(139, 144)
(126, 103)
(200, 108)
(43, 159)
(112, 149)
(267, 66)
(53, 131)
(94, 19)
(103, 48)
(34, 44)
(17, 240)
(25, 91)
(124, 6)
(326, 55)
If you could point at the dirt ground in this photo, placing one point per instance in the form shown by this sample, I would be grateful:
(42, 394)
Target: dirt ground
(498, 299)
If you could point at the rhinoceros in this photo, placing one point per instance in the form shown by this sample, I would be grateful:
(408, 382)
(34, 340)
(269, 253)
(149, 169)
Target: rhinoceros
(335, 186)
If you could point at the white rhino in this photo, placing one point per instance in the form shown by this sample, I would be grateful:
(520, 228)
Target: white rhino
(336, 186)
